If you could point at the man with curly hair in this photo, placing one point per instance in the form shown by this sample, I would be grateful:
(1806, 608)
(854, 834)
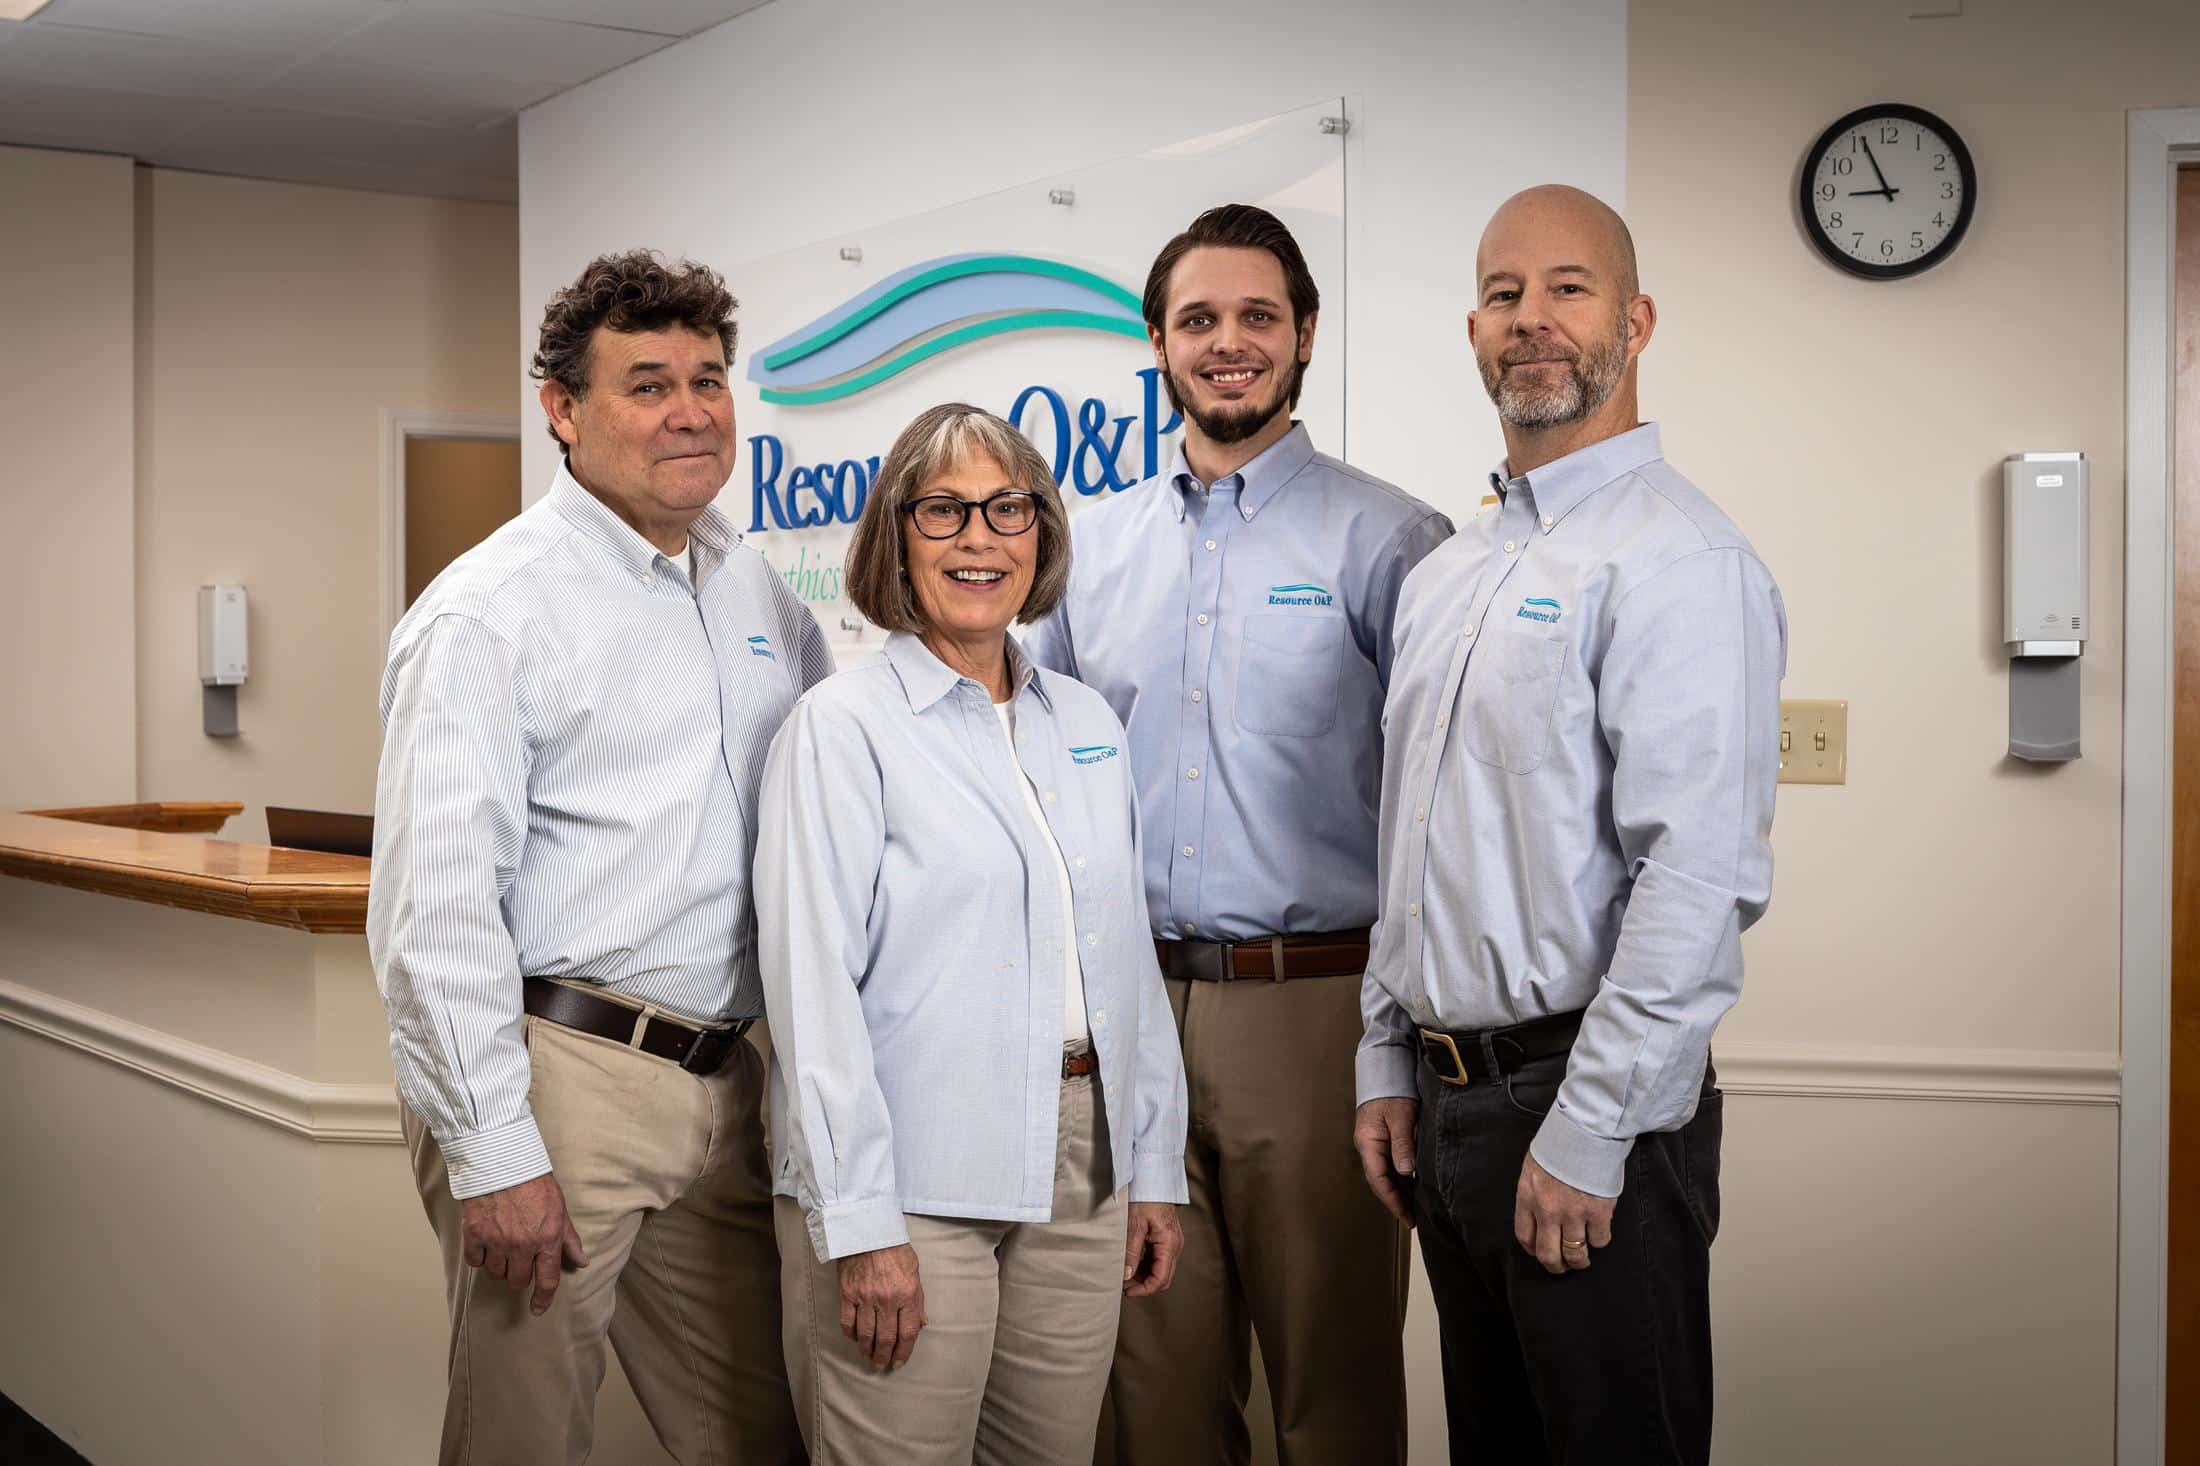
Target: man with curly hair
(576, 715)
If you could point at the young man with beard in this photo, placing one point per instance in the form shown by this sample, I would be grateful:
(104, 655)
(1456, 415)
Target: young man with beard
(1585, 722)
(1236, 613)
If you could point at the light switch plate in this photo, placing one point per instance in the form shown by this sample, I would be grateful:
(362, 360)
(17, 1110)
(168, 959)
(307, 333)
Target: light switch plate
(1814, 741)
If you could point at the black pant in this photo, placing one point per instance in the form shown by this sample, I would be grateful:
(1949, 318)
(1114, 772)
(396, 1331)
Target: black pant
(1605, 1367)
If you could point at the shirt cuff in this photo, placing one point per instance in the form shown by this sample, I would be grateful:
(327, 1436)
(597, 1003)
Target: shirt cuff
(1159, 1176)
(1583, 1161)
(857, 1226)
(1385, 1071)
(493, 1159)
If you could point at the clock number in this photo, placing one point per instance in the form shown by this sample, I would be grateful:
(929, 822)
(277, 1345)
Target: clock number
(1917, 239)
(1833, 220)
(1826, 192)
(1843, 167)
(1940, 162)
(1889, 132)
(1859, 238)
(1886, 249)
(1940, 221)
(1948, 190)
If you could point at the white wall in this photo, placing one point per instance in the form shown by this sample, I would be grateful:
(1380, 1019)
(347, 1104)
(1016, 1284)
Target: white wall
(809, 119)
(67, 404)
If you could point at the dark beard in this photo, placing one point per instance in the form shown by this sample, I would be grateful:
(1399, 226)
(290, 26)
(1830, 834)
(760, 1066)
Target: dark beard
(1236, 423)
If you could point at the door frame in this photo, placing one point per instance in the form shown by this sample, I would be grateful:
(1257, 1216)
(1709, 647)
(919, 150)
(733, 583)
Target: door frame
(2158, 140)
(398, 427)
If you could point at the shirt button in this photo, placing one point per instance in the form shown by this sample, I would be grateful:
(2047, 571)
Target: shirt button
(1191, 773)
(1421, 813)
(740, 770)
(1439, 720)
(1210, 544)
(1100, 1017)
(1186, 927)
(1467, 630)
(1414, 909)
(1201, 618)
(1080, 862)
(1187, 850)
(1092, 939)
(1198, 696)
(1546, 521)
(1049, 796)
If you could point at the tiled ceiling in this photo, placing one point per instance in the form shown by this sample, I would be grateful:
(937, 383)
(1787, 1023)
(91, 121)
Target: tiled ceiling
(415, 96)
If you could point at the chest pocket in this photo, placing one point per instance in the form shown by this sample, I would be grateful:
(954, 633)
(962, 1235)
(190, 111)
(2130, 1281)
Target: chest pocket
(1513, 683)
(1288, 671)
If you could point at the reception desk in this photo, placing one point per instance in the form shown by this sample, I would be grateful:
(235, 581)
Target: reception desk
(215, 1253)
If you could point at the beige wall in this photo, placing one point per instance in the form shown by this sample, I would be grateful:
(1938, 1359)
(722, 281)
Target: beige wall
(66, 407)
(1932, 1279)
(276, 322)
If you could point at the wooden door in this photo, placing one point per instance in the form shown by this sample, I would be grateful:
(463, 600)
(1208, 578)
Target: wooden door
(2183, 1424)
(456, 491)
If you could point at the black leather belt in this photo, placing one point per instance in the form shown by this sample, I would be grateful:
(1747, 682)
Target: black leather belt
(1270, 959)
(1485, 1055)
(697, 1049)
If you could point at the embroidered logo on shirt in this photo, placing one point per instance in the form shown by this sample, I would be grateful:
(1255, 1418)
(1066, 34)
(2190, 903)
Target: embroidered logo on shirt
(762, 647)
(1539, 608)
(1093, 753)
(1299, 595)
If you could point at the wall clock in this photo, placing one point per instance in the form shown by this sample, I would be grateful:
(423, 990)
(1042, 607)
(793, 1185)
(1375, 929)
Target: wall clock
(1887, 191)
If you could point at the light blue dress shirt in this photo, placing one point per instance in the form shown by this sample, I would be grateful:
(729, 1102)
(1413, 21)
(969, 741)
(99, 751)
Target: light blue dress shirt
(913, 934)
(1584, 722)
(574, 735)
(1242, 632)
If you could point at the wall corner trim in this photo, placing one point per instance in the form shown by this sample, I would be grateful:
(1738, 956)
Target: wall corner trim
(329, 1114)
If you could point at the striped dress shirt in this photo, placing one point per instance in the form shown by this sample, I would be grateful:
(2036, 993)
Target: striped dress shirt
(574, 735)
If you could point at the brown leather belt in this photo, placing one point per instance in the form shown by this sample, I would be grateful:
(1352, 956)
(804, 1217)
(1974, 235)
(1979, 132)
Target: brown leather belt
(694, 1047)
(1463, 1056)
(1271, 959)
(1080, 1063)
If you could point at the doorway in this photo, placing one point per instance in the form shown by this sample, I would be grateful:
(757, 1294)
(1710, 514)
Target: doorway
(448, 480)
(2182, 1393)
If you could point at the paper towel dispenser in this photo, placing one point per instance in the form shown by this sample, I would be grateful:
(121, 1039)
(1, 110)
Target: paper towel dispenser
(2045, 619)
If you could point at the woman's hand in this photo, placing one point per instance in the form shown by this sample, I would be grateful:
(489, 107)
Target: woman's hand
(882, 1303)
(1153, 1243)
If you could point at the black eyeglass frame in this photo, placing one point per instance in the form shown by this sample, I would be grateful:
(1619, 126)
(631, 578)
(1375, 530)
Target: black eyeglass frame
(983, 506)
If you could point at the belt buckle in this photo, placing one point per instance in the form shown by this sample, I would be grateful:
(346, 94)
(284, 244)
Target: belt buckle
(703, 1056)
(1431, 1036)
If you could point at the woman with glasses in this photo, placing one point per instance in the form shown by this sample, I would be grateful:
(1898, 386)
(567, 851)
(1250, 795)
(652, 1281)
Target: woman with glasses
(977, 1099)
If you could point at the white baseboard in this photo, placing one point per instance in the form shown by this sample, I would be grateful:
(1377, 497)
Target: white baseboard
(366, 1114)
(335, 1114)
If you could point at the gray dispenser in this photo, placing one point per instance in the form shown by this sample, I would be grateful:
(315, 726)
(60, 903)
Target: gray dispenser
(2044, 611)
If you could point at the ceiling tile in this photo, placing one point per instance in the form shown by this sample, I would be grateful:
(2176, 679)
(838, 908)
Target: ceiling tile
(661, 17)
(62, 55)
(294, 26)
(39, 114)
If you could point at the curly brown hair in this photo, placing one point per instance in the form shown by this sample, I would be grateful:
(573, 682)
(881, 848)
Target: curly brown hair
(634, 291)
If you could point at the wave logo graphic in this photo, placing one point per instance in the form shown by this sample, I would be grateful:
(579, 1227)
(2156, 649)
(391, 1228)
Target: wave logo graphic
(933, 307)
(1093, 753)
(1300, 595)
(1539, 608)
(761, 647)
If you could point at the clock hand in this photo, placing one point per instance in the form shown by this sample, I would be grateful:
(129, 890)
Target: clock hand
(1873, 159)
(1872, 193)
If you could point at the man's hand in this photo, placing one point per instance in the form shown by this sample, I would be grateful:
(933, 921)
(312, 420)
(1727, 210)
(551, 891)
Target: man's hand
(523, 1236)
(882, 1304)
(1557, 1224)
(1153, 1241)
(1383, 1133)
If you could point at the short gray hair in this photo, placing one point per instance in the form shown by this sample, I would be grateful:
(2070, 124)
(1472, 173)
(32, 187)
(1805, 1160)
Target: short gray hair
(876, 576)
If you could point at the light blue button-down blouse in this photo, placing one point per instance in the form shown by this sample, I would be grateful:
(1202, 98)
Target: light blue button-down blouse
(911, 929)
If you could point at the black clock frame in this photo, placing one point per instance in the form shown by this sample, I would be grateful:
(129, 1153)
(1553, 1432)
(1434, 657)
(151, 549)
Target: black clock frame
(1864, 269)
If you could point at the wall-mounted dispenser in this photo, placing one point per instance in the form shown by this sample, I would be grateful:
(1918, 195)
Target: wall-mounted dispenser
(222, 660)
(2044, 614)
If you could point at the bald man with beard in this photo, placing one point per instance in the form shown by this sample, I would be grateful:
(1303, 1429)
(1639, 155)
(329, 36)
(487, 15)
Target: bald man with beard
(1584, 718)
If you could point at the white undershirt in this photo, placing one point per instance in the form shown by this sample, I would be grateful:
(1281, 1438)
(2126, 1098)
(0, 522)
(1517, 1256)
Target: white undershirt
(1073, 975)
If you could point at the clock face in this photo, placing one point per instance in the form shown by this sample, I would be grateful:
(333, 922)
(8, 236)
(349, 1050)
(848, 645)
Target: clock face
(1887, 191)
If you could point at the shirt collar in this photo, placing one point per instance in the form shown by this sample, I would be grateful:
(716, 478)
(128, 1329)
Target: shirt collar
(925, 679)
(1564, 482)
(712, 535)
(1258, 481)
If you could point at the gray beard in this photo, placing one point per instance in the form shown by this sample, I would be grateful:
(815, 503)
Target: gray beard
(1591, 378)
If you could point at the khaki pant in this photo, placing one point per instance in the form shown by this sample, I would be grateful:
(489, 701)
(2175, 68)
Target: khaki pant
(665, 1180)
(1282, 1238)
(1020, 1327)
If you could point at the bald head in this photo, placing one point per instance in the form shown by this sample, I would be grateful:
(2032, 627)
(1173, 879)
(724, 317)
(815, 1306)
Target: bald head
(1553, 224)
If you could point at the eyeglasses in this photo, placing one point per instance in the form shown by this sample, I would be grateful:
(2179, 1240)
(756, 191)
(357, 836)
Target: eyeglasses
(942, 516)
